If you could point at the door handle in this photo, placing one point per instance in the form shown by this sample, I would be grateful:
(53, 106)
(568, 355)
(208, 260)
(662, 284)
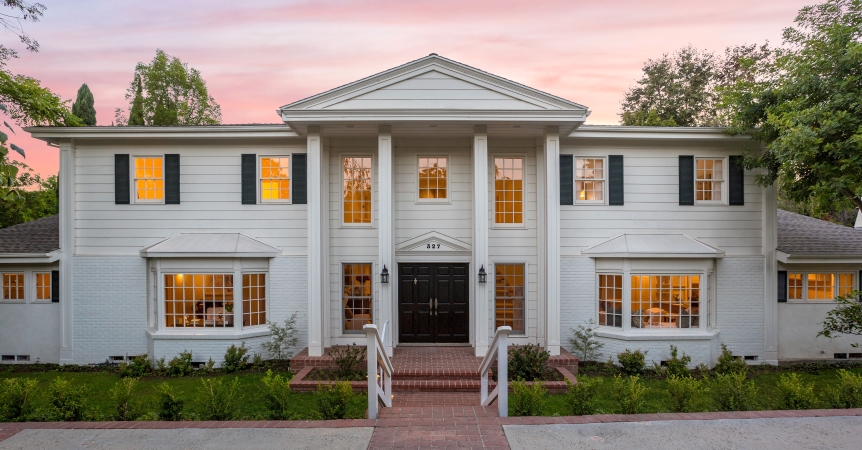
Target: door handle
(436, 307)
(431, 306)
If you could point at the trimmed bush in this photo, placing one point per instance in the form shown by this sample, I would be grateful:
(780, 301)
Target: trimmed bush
(139, 366)
(633, 362)
(278, 395)
(727, 363)
(581, 397)
(217, 400)
(334, 399)
(235, 358)
(348, 360)
(527, 362)
(66, 401)
(678, 366)
(734, 392)
(180, 365)
(527, 400)
(683, 392)
(629, 394)
(795, 394)
(16, 399)
(848, 392)
(170, 404)
(126, 404)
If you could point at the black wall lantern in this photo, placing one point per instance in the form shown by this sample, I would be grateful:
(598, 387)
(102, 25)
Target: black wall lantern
(483, 276)
(384, 276)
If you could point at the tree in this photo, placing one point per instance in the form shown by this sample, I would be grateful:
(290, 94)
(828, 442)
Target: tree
(168, 92)
(805, 109)
(846, 318)
(83, 107)
(40, 197)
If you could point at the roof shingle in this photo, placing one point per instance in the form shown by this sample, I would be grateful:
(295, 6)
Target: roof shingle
(39, 236)
(803, 235)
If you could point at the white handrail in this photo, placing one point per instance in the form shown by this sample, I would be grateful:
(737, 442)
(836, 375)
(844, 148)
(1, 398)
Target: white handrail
(498, 350)
(379, 371)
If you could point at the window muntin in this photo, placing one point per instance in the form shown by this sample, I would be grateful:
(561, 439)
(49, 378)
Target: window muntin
(509, 296)
(199, 300)
(611, 300)
(819, 286)
(253, 299)
(590, 180)
(665, 301)
(274, 178)
(509, 190)
(709, 179)
(13, 286)
(149, 179)
(43, 286)
(433, 178)
(794, 286)
(356, 177)
(357, 296)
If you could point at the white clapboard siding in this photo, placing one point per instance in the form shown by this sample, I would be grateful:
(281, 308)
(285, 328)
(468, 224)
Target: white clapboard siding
(210, 192)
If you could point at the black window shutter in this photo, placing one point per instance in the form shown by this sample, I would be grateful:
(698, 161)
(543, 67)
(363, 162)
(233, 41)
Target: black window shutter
(686, 180)
(121, 179)
(736, 177)
(55, 286)
(782, 286)
(615, 180)
(567, 184)
(249, 179)
(300, 179)
(172, 179)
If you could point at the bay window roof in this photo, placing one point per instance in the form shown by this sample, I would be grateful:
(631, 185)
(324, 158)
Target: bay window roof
(652, 246)
(210, 245)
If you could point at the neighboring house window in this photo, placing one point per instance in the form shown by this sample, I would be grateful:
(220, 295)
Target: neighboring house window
(149, 179)
(818, 286)
(509, 296)
(665, 301)
(589, 180)
(13, 286)
(199, 300)
(509, 190)
(611, 300)
(356, 296)
(275, 179)
(357, 190)
(432, 179)
(709, 180)
(253, 299)
(43, 286)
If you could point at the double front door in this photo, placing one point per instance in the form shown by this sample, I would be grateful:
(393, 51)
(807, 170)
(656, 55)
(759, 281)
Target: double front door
(433, 303)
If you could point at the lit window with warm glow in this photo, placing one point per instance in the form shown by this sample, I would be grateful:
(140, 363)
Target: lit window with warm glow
(13, 286)
(199, 300)
(590, 180)
(253, 299)
(43, 285)
(820, 287)
(509, 289)
(356, 178)
(357, 297)
(611, 300)
(710, 179)
(508, 190)
(665, 301)
(149, 179)
(275, 179)
(794, 286)
(432, 179)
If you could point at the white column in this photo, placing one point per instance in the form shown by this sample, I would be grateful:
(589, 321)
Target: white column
(67, 247)
(552, 235)
(770, 275)
(480, 237)
(315, 244)
(384, 228)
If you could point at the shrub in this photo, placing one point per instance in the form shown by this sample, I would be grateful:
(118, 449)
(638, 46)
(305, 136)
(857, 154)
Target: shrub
(848, 391)
(283, 339)
(334, 399)
(584, 342)
(348, 360)
(16, 399)
(580, 397)
(218, 400)
(257, 361)
(683, 392)
(66, 400)
(277, 394)
(629, 393)
(676, 366)
(727, 363)
(137, 367)
(633, 362)
(170, 404)
(180, 365)
(733, 392)
(795, 394)
(126, 404)
(235, 358)
(527, 362)
(527, 400)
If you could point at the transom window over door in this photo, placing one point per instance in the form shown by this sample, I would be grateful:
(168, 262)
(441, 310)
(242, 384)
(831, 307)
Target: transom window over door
(508, 190)
(357, 296)
(433, 178)
(274, 178)
(509, 296)
(710, 179)
(356, 177)
(149, 179)
(590, 180)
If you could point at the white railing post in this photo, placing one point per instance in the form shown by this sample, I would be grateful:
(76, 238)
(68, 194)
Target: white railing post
(503, 375)
(371, 357)
(379, 371)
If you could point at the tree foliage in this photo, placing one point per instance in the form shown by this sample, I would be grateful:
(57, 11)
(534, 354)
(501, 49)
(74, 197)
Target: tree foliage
(806, 108)
(168, 92)
(846, 318)
(39, 197)
(84, 107)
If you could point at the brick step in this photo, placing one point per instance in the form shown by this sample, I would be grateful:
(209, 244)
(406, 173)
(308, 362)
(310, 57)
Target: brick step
(436, 374)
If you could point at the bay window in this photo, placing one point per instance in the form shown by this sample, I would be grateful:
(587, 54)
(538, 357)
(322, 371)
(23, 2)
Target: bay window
(652, 301)
(207, 300)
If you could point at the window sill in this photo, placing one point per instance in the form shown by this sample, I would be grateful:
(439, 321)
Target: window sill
(207, 334)
(811, 302)
(13, 302)
(662, 335)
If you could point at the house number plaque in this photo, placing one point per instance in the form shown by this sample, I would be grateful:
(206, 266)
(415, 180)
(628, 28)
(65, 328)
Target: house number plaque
(432, 246)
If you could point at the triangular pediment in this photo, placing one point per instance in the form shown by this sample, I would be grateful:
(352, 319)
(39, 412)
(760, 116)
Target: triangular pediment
(432, 242)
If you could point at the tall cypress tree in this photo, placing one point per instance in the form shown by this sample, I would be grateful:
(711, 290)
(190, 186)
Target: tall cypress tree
(84, 108)
(136, 113)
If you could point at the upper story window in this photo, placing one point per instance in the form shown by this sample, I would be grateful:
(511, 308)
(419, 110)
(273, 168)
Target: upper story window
(43, 286)
(709, 180)
(433, 178)
(356, 177)
(818, 286)
(589, 180)
(274, 178)
(13, 286)
(508, 191)
(149, 179)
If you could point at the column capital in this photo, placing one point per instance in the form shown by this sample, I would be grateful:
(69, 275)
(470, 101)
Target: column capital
(384, 129)
(313, 130)
(480, 129)
(552, 130)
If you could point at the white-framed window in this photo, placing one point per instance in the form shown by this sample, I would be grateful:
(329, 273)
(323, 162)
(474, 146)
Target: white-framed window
(433, 179)
(710, 175)
(199, 300)
(253, 299)
(274, 184)
(14, 286)
(356, 190)
(149, 181)
(510, 297)
(42, 282)
(357, 296)
(509, 191)
(611, 300)
(819, 286)
(590, 176)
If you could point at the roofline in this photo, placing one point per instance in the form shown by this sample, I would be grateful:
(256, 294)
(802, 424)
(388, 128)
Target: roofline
(51, 134)
(716, 255)
(24, 258)
(639, 132)
(798, 258)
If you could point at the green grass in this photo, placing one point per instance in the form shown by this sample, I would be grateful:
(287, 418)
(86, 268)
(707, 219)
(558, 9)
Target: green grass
(251, 406)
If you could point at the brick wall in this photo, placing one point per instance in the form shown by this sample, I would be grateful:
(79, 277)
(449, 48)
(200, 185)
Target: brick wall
(739, 311)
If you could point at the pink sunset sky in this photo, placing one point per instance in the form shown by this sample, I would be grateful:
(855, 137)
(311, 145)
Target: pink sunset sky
(257, 56)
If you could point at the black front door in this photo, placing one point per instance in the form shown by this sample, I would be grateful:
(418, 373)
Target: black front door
(433, 303)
